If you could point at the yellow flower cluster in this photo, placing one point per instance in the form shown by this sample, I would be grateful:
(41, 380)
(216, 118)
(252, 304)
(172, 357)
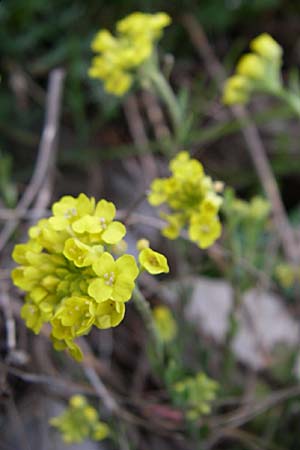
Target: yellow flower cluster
(287, 275)
(257, 209)
(119, 57)
(192, 198)
(165, 323)
(71, 278)
(196, 394)
(80, 421)
(256, 71)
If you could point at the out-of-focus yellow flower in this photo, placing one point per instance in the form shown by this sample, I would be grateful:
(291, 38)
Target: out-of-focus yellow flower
(138, 24)
(204, 229)
(80, 421)
(196, 395)
(255, 72)
(286, 275)
(192, 199)
(119, 57)
(267, 47)
(165, 323)
(251, 66)
(236, 90)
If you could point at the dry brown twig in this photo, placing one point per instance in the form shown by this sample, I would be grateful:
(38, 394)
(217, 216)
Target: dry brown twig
(45, 158)
(252, 139)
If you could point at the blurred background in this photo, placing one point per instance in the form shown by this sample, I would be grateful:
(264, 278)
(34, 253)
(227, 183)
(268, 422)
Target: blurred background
(100, 153)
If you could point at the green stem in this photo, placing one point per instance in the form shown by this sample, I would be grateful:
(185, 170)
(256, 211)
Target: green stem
(288, 97)
(143, 308)
(164, 90)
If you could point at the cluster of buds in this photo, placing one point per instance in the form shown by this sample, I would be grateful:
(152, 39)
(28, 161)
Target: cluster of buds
(80, 421)
(119, 57)
(192, 198)
(255, 210)
(258, 71)
(196, 394)
(71, 277)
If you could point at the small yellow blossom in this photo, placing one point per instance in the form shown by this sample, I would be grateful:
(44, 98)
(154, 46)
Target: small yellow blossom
(251, 66)
(236, 90)
(165, 323)
(267, 47)
(153, 262)
(204, 229)
(115, 279)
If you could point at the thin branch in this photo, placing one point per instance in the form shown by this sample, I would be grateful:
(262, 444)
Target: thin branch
(45, 157)
(252, 140)
(10, 323)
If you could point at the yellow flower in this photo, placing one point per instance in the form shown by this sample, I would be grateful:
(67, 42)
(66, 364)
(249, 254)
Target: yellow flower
(266, 46)
(139, 24)
(236, 90)
(165, 323)
(204, 229)
(285, 273)
(115, 279)
(153, 262)
(101, 223)
(196, 394)
(251, 66)
(188, 193)
(108, 314)
(80, 421)
(257, 71)
(175, 223)
(119, 57)
(70, 278)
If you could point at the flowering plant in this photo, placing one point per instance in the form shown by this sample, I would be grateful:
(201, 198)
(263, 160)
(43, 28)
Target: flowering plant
(71, 278)
(119, 57)
(192, 199)
(80, 421)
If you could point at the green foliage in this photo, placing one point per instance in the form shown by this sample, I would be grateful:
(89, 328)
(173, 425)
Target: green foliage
(8, 191)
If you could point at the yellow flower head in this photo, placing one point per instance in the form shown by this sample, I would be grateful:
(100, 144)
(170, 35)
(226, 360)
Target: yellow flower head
(251, 66)
(265, 46)
(71, 279)
(286, 275)
(192, 199)
(196, 394)
(165, 323)
(236, 90)
(119, 57)
(80, 421)
(257, 71)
